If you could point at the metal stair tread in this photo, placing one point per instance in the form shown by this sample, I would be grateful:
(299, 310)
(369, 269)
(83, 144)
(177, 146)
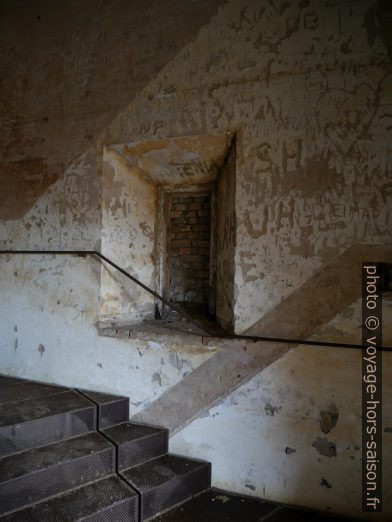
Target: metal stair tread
(34, 409)
(129, 431)
(77, 504)
(51, 455)
(155, 472)
(28, 390)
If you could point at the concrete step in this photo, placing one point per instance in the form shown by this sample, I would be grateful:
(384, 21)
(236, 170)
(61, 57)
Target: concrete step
(137, 443)
(112, 409)
(167, 481)
(35, 474)
(35, 422)
(107, 500)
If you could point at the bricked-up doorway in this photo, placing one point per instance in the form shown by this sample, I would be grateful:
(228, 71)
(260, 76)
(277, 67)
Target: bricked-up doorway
(139, 179)
(190, 259)
(195, 244)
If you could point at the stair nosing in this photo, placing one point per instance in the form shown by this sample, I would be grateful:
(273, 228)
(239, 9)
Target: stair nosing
(117, 398)
(159, 432)
(168, 454)
(130, 421)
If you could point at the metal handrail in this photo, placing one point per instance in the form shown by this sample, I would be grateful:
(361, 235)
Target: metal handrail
(180, 311)
(184, 314)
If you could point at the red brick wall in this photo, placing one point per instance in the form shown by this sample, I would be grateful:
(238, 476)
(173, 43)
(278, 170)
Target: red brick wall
(189, 247)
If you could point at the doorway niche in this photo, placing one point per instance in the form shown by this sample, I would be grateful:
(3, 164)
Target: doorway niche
(168, 218)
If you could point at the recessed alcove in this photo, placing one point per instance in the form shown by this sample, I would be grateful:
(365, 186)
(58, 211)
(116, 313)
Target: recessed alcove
(168, 218)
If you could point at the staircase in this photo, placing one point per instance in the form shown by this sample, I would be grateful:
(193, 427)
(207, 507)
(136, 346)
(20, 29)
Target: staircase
(69, 455)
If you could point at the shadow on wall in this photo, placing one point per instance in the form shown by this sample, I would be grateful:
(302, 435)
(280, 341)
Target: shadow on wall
(101, 55)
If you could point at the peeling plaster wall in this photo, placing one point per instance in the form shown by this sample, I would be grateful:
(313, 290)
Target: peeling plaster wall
(295, 429)
(48, 333)
(129, 207)
(307, 86)
(226, 242)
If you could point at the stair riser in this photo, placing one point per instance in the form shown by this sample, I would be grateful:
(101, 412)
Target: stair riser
(137, 451)
(29, 489)
(111, 409)
(113, 413)
(174, 492)
(39, 432)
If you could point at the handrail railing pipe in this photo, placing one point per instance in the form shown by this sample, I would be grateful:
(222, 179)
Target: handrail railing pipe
(182, 312)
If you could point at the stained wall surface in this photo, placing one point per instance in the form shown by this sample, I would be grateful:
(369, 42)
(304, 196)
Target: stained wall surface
(226, 236)
(129, 213)
(306, 87)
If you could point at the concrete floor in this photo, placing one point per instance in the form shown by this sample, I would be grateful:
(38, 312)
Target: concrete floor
(218, 506)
